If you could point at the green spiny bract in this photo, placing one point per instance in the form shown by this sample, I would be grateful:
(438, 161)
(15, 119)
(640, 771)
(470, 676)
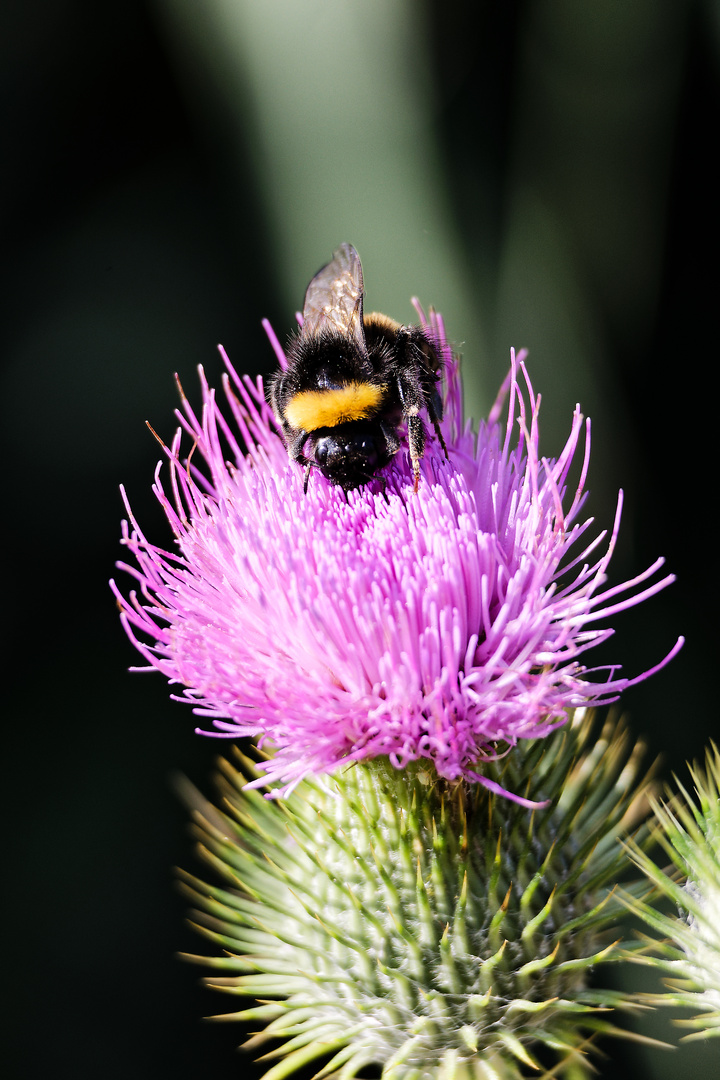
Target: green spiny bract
(686, 945)
(380, 917)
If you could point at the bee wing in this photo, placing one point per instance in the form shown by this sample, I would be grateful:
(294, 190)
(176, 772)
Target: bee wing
(334, 298)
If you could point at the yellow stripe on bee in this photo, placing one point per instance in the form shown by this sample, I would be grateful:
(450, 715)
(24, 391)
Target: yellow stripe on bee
(313, 409)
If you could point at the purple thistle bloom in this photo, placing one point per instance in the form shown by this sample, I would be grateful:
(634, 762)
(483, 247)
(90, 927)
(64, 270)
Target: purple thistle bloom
(446, 624)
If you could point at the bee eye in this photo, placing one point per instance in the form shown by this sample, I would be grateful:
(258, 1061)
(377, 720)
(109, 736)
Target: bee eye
(321, 452)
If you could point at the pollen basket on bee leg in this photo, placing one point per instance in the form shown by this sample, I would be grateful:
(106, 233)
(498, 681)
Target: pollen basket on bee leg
(313, 409)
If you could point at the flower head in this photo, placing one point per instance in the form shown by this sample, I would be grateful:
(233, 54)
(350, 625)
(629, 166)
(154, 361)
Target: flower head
(445, 624)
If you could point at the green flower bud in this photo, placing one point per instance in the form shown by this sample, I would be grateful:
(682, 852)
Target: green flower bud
(686, 944)
(385, 917)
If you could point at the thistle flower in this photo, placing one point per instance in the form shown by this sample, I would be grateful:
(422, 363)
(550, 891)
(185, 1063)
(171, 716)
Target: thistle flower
(385, 918)
(686, 946)
(445, 625)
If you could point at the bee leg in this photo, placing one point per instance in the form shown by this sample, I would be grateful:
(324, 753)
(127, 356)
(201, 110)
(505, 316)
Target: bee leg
(392, 443)
(413, 399)
(383, 488)
(415, 344)
(416, 442)
(435, 412)
(295, 453)
(294, 444)
(416, 377)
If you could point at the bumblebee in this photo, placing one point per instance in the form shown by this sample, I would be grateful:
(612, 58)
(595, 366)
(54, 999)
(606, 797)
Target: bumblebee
(352, 380)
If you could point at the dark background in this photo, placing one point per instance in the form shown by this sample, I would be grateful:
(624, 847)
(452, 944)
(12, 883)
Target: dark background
(145, 218)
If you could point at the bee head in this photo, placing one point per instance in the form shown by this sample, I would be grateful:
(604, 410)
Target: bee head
(350, 454)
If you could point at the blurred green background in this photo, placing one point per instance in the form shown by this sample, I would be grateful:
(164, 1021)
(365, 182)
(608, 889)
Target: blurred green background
(174, 171)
